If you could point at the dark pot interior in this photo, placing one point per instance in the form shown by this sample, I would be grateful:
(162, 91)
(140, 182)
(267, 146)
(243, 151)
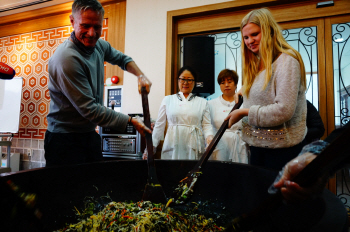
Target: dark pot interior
(227, 189)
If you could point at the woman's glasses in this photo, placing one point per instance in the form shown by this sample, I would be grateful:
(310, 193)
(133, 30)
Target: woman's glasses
(189, 81)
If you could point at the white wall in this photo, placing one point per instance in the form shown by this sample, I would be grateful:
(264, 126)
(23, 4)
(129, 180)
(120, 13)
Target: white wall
(145, 42)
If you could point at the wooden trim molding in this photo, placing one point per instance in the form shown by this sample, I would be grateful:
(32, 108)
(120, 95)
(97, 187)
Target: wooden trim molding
(281, 10)
(169, 65)
(45, 12)
(116, 36)
(41, 19)
(37, 14)
(53, 21)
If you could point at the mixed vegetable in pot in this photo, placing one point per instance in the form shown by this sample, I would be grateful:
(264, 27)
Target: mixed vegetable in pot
(140, 216)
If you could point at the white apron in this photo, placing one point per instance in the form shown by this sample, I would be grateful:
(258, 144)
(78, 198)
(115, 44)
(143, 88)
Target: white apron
(188, 122)
(231, 147)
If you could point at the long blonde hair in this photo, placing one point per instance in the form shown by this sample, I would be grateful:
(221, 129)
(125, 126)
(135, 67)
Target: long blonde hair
(271, 44)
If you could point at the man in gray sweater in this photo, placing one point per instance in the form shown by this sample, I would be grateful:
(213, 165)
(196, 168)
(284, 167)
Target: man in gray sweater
(76, 84)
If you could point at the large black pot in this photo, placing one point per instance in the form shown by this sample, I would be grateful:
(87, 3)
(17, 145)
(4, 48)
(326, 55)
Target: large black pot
(227, 189)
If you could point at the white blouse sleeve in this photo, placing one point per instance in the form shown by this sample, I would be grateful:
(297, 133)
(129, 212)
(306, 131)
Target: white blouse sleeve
(206, 122)
(159, 126)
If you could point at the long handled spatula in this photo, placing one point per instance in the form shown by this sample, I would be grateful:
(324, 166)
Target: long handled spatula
(153, 191)
(185, 188)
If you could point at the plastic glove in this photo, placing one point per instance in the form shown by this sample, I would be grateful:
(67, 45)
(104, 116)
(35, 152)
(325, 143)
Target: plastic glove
(140, 126)
(291, 191)
(208, 140)
(145, 153)
(143, 81)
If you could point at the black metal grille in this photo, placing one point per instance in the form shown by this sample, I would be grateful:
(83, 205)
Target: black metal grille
(304, 40)
(340, 38)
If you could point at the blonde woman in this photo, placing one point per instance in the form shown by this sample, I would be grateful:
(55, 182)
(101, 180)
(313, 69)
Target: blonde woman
(274, 83)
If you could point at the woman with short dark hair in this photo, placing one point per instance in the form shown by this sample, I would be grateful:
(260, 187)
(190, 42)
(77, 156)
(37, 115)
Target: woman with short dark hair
(231, 147)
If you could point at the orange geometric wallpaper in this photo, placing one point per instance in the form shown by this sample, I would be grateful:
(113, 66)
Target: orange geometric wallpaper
(29, 54)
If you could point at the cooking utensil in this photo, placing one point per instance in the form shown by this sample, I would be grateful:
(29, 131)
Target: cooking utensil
(26, 204)
(185, 188)
(328, 161)
(153, 191)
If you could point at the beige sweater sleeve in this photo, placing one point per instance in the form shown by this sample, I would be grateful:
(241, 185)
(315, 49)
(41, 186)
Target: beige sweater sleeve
(281, 95)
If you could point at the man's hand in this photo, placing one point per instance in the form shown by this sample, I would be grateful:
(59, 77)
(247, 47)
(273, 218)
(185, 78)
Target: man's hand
(143, 81)
(140, 126)
(145, 153)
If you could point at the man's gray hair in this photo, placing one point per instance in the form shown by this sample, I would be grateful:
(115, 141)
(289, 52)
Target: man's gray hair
(83, 5)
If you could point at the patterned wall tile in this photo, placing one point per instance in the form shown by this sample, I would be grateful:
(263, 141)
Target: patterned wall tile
(29, 54)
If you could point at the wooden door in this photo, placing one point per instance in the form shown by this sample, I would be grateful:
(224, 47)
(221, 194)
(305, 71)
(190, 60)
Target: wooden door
(331, 35)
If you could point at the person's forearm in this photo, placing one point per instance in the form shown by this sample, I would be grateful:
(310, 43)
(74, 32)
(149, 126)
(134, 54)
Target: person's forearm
(132, 67)
(237, 115)
(244, 112)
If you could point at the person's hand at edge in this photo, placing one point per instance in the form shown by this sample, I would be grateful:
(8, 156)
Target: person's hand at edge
(140, 126)
(143, 81)
(145, 153)
(236, 115)
(293, 192)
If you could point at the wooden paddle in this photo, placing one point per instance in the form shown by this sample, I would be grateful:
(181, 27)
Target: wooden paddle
(185, 188)
(153, 191)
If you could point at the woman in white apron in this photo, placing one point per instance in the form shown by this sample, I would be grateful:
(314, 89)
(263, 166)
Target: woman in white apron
(188, 119)
(231, 147)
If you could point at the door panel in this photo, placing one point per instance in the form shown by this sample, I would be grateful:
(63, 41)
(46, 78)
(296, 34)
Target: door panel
(308, 39)
(333, 35)
(337, 36)
(338, 69)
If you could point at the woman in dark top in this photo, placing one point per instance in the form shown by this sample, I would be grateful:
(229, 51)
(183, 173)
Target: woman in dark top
(314, 124)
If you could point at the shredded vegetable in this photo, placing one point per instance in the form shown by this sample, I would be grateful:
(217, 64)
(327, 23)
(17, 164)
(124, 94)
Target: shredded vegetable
(142, 216)
(184, 191)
